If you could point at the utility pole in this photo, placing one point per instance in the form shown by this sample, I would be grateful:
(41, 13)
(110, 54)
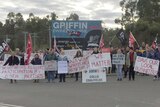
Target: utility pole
(50, 38)
(25, 40)
(34, 40)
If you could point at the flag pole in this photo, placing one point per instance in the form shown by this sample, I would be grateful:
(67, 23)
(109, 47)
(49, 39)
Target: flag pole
(135, 39)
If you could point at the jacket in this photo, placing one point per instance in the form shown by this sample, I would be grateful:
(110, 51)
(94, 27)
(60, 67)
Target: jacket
(128, 58)
(12, 60)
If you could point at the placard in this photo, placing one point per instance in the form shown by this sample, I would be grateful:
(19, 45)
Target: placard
(62, 67)
(146, 65)
(93, 76)
(118, 59)
(51, 65)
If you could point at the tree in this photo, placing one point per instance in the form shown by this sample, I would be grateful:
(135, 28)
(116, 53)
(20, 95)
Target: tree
(73, 16)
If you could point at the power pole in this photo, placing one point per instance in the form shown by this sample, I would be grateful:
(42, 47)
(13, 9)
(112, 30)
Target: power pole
(25, 40)
(34, 40)
(50, 38)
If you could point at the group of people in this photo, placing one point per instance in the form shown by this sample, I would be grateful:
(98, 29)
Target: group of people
(128, 68)
(130, 57)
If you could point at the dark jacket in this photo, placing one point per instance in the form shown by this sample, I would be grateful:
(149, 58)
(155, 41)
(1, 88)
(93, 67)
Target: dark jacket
(12, 60)
(36, 61)
(157, 55)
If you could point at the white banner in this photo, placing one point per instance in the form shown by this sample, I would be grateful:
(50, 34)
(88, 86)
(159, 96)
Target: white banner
(87, 53)
(100, 60)
(62, 67)
(78, 64)
(22, 72)
(93, 76)
(51, 65)
(70, 53)
(118, 59)
(1, 63)
(146, 65)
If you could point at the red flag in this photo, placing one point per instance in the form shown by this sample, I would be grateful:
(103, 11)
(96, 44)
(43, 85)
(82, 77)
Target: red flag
(101, 44)
(131, 40)
(29, 49)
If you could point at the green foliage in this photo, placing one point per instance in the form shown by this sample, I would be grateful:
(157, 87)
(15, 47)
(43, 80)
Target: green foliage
(142, 17)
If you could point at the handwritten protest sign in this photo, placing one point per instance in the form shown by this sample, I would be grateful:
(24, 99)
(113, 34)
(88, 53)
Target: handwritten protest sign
(78, 64)
(118, 59)
(93, 76)
(62, 67)
(146, 65)
(22, 72)
(71, 53)
(1, 63)
(87, 53)
(51, 65)
(100, 60)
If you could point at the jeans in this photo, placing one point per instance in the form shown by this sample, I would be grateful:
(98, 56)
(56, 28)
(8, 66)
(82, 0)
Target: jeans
(119, 71)
(62, 77)
(50, 75)
(76, 74)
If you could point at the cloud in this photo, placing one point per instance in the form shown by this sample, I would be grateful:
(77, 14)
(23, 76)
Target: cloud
(105, 10)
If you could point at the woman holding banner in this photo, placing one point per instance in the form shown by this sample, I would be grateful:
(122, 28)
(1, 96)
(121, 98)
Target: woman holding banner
(78, 54)
(62, 57)
(119, 67)
(36, 61)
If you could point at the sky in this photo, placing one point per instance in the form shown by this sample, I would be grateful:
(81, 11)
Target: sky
(105, 10)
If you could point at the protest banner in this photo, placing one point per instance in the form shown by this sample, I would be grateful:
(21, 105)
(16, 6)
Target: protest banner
(100, 60)
(62, 67)
(78, 64)
(22, 72)
(118, 59)
(146, 65)
(93, 76)
(87, 53)
(51, 65)
(1, 63)
(71, 53)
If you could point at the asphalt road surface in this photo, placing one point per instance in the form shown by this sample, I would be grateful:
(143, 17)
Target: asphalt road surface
(143, 92)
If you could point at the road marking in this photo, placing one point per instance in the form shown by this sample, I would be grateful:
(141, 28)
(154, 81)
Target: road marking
(9, 105)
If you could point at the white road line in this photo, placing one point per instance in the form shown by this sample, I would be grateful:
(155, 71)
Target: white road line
(9, 105)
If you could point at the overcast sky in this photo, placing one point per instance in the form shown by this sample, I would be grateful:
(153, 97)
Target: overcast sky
(105, 10)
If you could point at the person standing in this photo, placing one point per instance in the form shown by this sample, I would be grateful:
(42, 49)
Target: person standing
(119, 67)
(62, 57)
(157, 57)
(130, 61)
(78, 54)
(36, 61)
(126, 69)
(11, 61)
(51, 56)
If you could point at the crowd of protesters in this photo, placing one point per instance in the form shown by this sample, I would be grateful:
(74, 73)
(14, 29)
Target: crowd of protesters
(122, 70)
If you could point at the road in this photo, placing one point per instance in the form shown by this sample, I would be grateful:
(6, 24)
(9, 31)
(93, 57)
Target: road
(143, 92)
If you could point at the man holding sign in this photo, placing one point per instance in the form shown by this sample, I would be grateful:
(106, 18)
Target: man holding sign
(11, 61)
(49, 59)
